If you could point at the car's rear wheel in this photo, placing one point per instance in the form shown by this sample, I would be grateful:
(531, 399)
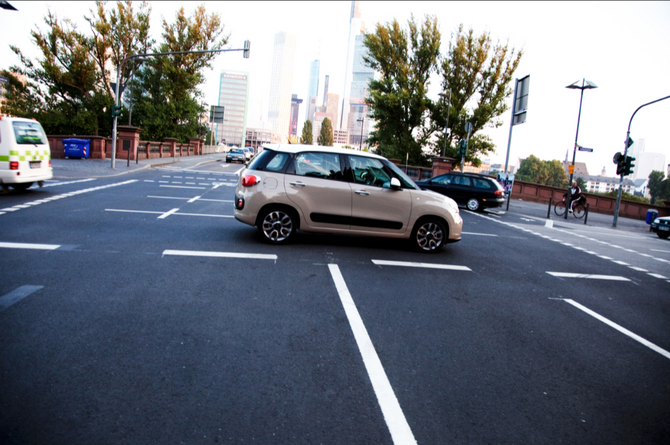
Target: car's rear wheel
(473, 204)
(429, 235)
(21, 186)
(277, 226)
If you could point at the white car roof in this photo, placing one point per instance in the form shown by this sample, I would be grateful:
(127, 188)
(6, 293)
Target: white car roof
(299, 148)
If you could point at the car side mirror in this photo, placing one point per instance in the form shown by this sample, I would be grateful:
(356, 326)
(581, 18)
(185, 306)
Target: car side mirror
(395, 184)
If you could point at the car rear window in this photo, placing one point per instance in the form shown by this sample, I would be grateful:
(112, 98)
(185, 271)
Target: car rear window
(481, 183)
(28, 133)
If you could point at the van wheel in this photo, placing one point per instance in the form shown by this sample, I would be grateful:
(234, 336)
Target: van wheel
(429, 235)
(277, 226)
(22, 186)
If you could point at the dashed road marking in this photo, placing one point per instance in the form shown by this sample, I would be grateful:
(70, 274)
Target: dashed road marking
(588, 276)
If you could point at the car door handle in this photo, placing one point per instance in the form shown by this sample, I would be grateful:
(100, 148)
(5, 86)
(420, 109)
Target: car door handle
(299, 184)
(362, 192)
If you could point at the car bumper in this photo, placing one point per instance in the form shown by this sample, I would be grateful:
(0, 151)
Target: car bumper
(490, 203)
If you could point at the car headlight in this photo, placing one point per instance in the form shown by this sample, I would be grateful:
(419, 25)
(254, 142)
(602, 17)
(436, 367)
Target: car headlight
(657, 221)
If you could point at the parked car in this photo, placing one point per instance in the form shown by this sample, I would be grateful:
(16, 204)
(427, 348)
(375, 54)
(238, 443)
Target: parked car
(236, 155)
(477, 192)
(249, 152)
(292, 187)
(661, 226)
(25, 154)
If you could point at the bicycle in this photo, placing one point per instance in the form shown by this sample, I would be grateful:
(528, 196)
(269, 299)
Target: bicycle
(578, 209)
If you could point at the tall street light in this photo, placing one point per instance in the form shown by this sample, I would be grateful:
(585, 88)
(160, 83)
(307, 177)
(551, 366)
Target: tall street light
(361, 120)
(586, 85)
(446, 125)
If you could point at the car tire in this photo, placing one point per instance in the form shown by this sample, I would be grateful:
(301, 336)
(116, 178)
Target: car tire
(21, 186)
(473, 205)
(277, 225)
(663, 235)
(429, 235)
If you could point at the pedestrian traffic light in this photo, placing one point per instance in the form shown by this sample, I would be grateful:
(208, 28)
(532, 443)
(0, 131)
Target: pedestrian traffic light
(116, 110)
(628, 167)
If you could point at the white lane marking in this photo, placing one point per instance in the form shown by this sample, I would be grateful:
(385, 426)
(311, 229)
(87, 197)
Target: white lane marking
(663, 251)
(393, 415)
(592, 277)
(218, 200)
(639, 269)
(195, 198)
(166, 197)
(253, 256)
(166, 214)
(479, 234)
(17, 295)
(29, 246)
(655, 275)
(549, 223)
(183, 187)
(66, 183)
(202, 214)
(132, 211)
(619, 328)
(420, 265)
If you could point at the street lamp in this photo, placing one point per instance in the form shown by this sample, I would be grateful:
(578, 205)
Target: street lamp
(361, 120)
(446, 126)
(586, 85)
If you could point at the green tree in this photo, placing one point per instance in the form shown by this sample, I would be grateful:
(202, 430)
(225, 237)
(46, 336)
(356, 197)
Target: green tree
(167, 96)
(68, 90)
(397, 100)
(307, 137)
(326, 135)
(478, 74)
(537, 171)
(656, 186)
(581, 183)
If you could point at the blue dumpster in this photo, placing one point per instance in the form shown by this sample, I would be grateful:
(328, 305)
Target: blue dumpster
(651, 215)
(77, 148)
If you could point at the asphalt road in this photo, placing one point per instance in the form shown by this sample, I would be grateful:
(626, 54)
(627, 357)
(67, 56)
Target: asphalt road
(135, 309)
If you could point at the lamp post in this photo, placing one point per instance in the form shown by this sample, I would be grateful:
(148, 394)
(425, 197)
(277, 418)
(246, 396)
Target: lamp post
(586, 85)
(446, 125)
(361, 120)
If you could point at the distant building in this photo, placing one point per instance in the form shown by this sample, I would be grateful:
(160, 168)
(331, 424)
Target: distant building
(332, 107)
(312, 89)
(359, 123)
(261, 133)
(234, 97)
(340, 137)
(279, 108)
(316, 125)
(580, 168)
(356, 27)
(295, 109)
(604, 184)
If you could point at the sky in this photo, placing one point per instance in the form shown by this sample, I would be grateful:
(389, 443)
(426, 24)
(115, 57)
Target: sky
(622, 47)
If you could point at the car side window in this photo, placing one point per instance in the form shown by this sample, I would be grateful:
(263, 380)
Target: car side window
(481, 183)
(318, 165)
(444, 180)
(462, 180)
(277, 162)
(369, 171)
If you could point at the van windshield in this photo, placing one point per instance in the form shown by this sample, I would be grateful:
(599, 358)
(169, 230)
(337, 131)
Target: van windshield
(29, 133)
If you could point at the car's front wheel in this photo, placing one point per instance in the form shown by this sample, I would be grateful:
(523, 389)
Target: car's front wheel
(277, 226)
(663, 235)
(429, 235)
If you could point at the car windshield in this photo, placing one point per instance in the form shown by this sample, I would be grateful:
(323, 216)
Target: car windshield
(237, 150)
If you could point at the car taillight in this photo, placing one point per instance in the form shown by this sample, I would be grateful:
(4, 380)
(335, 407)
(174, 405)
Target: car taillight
(498, 193)
(13, 165)
(249, 180)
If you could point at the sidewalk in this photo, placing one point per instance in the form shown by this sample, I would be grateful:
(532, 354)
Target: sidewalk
(102, 168)
(593, 219)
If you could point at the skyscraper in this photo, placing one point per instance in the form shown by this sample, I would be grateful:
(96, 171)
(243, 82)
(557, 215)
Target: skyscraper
(313, 88)
(279, 108)
(356, 27)
(234, 97)
(295, 109)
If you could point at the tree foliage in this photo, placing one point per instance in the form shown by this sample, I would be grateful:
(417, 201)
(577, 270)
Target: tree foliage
(307, 137)
(541, 172)
(167, 99)
(478, 75)
(69, 88)
(326, 135)
(659, 188)
(405, 59)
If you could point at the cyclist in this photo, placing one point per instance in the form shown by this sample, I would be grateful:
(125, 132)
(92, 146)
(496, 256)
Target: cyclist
(575, 195)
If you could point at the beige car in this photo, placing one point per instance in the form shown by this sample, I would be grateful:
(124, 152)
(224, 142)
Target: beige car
(293, 187)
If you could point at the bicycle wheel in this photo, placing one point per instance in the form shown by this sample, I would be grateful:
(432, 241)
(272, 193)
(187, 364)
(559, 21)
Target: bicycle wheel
(559, 208)
(579, 211)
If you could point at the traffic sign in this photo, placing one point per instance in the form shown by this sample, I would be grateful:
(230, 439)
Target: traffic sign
(590, 150)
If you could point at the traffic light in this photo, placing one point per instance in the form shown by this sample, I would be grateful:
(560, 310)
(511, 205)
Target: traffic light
(462, 147)
(619, 160)
(628, 167)
(116, 110)
(247, 48)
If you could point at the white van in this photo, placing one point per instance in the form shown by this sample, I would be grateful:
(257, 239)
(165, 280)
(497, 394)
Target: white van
(25, 156)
